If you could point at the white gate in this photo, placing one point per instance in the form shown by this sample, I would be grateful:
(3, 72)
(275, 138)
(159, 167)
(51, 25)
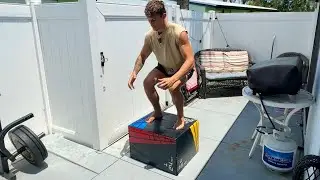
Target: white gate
(121, 32)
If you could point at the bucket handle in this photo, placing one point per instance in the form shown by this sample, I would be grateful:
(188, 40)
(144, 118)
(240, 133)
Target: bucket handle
(281, 135)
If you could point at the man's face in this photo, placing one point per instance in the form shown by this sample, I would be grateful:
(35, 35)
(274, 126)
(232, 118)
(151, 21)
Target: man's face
(157, 21)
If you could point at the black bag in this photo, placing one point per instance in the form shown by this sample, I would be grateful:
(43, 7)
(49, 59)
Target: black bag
(276, 76)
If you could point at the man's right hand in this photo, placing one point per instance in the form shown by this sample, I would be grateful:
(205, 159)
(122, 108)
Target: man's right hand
(132, 78)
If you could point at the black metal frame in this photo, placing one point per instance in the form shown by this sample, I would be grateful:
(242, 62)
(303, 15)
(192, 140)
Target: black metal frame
(5, 155)
(304, 164)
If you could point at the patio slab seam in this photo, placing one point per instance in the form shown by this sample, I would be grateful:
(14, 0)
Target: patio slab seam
(97, 174)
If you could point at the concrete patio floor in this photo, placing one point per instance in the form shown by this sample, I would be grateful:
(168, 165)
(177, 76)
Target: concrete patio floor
(230, 160)
(68, 160)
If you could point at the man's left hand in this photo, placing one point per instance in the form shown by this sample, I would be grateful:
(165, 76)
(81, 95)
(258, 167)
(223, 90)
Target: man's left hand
(166, 83)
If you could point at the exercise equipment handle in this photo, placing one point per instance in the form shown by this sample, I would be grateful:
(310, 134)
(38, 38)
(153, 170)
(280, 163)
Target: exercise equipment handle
(7, 129)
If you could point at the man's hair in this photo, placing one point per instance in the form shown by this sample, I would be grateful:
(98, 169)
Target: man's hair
(154, 7)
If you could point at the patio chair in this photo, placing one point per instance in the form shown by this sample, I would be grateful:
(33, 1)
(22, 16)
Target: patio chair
(223, 66)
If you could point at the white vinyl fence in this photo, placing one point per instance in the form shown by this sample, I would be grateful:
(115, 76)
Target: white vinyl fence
(21, 85)
(256, 32)
(55, 60)
(90, 102)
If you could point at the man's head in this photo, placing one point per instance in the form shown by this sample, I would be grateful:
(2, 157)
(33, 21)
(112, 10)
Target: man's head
(156, 13)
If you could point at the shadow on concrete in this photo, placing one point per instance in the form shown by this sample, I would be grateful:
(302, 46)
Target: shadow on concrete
(125, 149)
(224, 92)
(22, 165)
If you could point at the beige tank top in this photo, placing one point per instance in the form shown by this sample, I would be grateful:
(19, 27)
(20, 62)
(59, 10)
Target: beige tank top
(167, 51)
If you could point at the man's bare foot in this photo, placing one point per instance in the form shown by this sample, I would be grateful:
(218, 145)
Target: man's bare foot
(154, 116)
(179, 124)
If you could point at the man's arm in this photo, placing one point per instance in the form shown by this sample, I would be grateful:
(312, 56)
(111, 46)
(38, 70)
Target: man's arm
(187, 52)
(144, 54)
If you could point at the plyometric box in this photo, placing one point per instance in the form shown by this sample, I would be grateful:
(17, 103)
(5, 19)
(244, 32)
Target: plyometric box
(158, 144)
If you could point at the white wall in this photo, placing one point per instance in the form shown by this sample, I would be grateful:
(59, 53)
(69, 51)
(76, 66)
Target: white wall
(255, 31)
(20, 81)
(312, 143)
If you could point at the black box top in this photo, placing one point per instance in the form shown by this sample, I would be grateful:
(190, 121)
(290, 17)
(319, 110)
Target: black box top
(163, 126)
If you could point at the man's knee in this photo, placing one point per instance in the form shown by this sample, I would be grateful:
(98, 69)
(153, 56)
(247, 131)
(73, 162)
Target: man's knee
(149, 82)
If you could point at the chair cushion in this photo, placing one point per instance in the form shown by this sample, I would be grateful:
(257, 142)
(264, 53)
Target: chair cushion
(226, 75)
(224, 61)
(192, 83)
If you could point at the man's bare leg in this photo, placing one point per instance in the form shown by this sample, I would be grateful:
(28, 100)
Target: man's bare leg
(178, 102)
(149, 83)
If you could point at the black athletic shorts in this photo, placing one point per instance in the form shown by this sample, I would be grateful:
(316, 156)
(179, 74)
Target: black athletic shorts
(162, 69)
